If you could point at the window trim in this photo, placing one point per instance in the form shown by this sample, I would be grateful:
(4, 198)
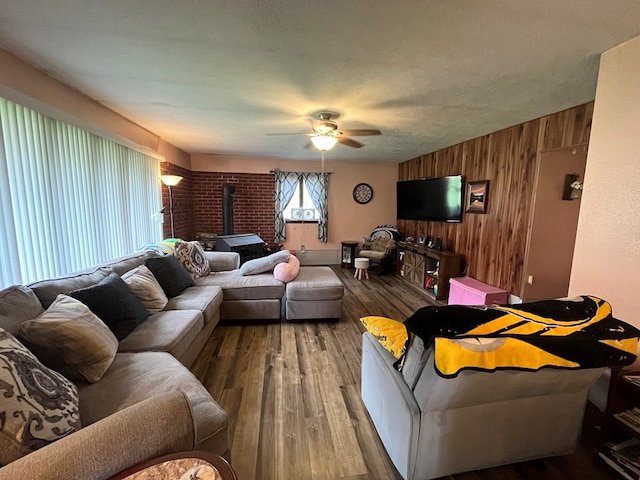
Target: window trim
(302, 221)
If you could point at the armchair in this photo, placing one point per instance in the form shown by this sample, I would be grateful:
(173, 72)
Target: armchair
(478, 387)
(478, 420)
(381, 253)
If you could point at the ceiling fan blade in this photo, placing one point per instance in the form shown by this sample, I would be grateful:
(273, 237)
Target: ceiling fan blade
(275, 134)
(350, 142)
(356, 133)
(309, 144)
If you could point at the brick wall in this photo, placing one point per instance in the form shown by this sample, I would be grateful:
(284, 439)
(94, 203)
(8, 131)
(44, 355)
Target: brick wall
(197, 203)
(182, 202)
(252, 203)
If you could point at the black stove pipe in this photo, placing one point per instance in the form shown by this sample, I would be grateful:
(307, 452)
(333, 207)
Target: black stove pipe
(227, 208)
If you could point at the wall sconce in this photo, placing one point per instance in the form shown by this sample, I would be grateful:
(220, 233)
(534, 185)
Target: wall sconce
(171, 181)
(572, 187)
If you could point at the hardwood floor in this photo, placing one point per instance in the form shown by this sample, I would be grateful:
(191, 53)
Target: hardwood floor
(292, 393)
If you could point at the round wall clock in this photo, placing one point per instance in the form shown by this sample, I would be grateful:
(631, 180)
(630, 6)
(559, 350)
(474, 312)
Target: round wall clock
(362, 193)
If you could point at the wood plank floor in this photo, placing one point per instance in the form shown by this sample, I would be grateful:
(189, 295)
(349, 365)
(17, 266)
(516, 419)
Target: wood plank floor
(292, 393)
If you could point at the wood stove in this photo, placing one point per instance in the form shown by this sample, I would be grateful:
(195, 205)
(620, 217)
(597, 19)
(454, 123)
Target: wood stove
(248, 245)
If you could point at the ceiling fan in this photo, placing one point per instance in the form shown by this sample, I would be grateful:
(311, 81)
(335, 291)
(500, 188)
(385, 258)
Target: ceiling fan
(326, 132)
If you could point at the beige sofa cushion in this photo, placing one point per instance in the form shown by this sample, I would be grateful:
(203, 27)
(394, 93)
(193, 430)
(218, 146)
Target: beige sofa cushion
(168, 331)
(236, 286)
(222, 261)
(124, 264)
(144, 285)
(17, 304)
(315, 283)
(206, 299)
(372, 254)
(72, 340)
(134, 377)
(48, 290)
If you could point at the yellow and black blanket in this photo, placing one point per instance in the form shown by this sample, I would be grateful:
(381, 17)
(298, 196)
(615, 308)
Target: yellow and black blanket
(575, 333)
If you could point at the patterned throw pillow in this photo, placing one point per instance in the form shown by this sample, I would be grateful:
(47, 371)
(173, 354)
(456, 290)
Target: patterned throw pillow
(71, 339)
(38, 405)
(191, 255)
(144, 285)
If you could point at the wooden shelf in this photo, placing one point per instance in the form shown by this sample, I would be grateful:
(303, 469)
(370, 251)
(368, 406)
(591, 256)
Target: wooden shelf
(416, 263)
(624, 396)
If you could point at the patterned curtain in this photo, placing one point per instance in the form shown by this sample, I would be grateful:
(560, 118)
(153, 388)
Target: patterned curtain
(286, 183)
(317, 186)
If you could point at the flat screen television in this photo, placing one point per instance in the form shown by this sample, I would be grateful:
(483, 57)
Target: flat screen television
(431, 199)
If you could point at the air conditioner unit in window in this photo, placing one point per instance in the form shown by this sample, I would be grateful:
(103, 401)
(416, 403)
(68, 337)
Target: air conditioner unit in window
(297, 213)
(308, 213)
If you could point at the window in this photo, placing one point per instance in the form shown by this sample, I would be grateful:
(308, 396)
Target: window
(69, 199)
(313, 186)
(301, 208)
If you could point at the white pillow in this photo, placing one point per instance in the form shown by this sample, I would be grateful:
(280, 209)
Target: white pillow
(264, 264)
(146, 288)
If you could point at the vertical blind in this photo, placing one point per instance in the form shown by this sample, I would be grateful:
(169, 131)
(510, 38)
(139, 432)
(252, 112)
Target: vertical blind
(69, 199)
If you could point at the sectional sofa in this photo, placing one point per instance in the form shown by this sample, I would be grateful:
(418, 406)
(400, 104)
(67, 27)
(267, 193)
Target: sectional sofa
(146, 402)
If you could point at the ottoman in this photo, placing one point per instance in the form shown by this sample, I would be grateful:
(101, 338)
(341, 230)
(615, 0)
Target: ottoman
(316, 293)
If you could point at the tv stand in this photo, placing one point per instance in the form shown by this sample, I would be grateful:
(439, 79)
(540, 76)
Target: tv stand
(428, 268)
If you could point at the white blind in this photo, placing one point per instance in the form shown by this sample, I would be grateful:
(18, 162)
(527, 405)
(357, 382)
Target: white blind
(70, 199)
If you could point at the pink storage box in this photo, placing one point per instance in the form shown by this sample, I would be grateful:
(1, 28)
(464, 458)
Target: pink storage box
(469, 291)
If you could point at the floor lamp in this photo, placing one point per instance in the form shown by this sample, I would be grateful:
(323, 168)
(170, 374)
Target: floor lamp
(171, 181)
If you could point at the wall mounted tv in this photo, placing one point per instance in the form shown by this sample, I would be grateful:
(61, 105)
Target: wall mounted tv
(431, 199)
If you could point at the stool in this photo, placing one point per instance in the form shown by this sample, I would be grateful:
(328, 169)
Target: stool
(362, 266)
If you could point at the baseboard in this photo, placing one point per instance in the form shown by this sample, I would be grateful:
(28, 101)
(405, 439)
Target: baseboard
(319, 257)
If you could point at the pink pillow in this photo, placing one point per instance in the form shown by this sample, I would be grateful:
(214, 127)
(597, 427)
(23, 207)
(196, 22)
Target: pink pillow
(287, 271)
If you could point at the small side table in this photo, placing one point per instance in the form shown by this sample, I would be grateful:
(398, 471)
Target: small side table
(362, 268)
(348, 253)
(187, 465)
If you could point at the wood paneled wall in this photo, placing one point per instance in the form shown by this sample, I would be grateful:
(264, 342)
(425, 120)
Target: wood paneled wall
(494, 245)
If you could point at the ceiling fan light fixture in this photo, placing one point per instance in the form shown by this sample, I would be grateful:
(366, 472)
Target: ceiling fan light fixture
(324, 142)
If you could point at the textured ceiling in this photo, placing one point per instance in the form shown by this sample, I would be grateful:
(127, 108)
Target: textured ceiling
(217, 76)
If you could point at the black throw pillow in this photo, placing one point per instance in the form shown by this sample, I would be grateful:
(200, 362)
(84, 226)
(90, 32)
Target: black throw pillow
(113, 302)
(171, 275)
